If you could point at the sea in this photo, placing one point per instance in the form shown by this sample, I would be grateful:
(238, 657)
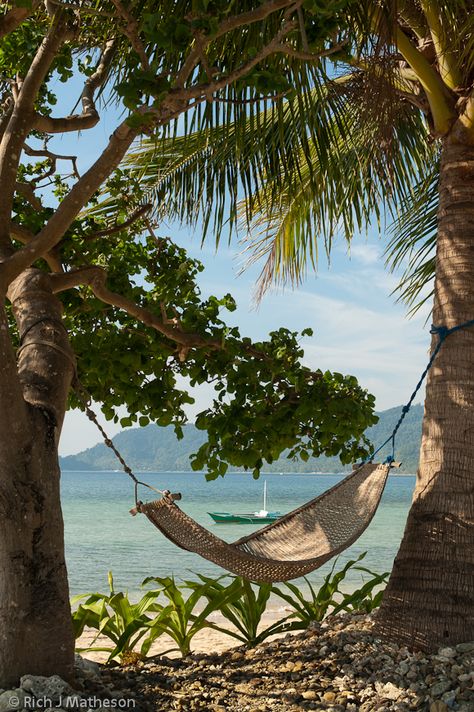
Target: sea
(102, 536)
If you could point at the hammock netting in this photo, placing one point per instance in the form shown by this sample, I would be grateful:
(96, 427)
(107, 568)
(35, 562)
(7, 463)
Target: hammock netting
(293, 545)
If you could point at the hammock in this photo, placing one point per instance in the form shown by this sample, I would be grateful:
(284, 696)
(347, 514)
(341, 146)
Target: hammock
(290, 547)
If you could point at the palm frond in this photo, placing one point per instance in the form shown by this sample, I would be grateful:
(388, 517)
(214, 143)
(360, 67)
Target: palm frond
(413, 242)
(203, 175)
(333, 156)
(358, 182)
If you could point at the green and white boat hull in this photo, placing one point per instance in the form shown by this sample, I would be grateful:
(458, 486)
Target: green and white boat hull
(255, 518)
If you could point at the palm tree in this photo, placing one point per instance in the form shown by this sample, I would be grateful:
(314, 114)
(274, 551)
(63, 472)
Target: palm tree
(383, 126)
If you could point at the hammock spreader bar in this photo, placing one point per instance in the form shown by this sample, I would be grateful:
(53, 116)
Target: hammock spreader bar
(292, 546)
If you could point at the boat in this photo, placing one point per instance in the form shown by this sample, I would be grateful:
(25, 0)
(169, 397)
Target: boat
(247, 518)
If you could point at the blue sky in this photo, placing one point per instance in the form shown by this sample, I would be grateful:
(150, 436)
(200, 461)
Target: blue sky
(358, 326)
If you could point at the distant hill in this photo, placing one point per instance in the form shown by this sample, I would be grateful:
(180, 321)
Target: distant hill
(157, 449)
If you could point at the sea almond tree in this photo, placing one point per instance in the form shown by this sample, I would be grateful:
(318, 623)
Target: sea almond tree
(103, 307)
(387, 122)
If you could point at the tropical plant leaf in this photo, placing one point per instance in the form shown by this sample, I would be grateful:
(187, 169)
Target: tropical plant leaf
(413, 242)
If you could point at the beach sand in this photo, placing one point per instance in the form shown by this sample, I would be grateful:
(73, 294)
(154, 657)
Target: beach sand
(206, 641)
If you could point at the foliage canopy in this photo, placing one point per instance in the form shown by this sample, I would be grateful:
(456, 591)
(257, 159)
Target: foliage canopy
(134, 314)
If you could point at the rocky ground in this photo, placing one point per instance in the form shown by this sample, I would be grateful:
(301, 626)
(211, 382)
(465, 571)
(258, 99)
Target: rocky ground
(339, 666)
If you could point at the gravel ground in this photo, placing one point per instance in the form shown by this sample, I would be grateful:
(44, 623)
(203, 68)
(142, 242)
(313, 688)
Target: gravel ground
(339, 665)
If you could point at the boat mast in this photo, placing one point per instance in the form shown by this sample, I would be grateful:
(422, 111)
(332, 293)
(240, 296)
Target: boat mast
(264, 495)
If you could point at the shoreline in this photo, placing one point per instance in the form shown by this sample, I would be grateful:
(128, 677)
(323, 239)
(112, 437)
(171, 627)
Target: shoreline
(237, 472)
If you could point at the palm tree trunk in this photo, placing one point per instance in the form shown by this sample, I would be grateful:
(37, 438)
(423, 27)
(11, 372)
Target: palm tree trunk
(429, 599)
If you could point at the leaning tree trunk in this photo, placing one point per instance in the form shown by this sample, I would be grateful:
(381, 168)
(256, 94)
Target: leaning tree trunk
(429, 600)
(36, 633)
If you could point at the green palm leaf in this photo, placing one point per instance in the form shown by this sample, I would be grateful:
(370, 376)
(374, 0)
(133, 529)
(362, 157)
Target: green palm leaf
(413, 242)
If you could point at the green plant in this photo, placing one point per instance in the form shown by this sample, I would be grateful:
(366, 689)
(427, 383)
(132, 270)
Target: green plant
(113, 616)
(178, 619)
(240, 602)
(244, 608)
(364, 599)
(324, 600)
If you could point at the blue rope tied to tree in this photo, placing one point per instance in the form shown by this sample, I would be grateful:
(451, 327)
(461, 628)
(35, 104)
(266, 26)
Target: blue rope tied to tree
(442, 332)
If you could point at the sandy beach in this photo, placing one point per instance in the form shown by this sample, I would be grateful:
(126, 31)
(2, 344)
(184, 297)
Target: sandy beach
(206, 641)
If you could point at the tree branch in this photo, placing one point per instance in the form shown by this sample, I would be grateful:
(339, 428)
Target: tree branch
(310, 56)
(66, 124)
(20, 233)
(231, 23)
(21, 121)
(89, 116)
(13, 19)
(140, 212)
(130, 30)
(53, 158)
(7, 110)
(72, 204)
(28, 192)
(96, 277)
(177, 101)
(252, 16)
(80, 277)
(209, 88)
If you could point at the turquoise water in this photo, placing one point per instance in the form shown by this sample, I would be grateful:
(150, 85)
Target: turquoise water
(101, 535)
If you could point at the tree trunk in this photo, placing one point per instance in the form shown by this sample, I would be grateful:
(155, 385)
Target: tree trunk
(36, 634)
(429, 599)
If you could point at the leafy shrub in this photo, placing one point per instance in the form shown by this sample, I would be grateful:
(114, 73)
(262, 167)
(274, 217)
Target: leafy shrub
(240, 602)
(113, 615)
(178, 619)
(245, 606)
(329, 598)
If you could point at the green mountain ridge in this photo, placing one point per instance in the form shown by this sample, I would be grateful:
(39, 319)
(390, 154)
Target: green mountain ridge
(156, 449)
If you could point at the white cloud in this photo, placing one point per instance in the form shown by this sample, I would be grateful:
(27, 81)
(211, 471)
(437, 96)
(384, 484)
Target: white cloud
(366, 254)
(383, 349)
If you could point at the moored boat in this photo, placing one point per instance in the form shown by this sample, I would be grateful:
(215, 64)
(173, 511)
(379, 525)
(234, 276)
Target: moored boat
(254, 518)
(247, 518)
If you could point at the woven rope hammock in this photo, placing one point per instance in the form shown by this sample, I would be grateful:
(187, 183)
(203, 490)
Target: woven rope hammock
(292, 546)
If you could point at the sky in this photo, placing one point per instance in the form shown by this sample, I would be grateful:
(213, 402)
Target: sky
(359, 328)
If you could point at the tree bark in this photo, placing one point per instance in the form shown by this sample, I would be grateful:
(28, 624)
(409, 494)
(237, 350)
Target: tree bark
(429, 600)
(36, 634)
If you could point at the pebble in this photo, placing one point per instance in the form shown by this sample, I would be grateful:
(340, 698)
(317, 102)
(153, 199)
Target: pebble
(437, 689)
(12, 700)
(439, 706)
(339, 667)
